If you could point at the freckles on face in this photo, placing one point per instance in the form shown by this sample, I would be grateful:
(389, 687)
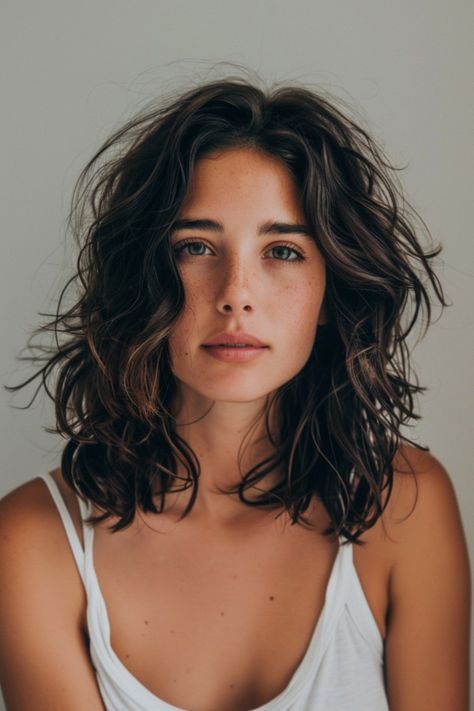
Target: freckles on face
(296, 313)
(237, 277)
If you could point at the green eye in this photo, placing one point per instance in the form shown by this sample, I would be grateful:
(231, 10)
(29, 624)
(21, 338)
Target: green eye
(288, 248)
(285, 248)
(189, 243)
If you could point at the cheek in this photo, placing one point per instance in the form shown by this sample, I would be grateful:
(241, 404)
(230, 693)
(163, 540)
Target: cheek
(299, 335)
(180, 336)
(300, 306)
(187, 325)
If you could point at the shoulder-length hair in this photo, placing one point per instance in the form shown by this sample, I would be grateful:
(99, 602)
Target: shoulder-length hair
(341, 415)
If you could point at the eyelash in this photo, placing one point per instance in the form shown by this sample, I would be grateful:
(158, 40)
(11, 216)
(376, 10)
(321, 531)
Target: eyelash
(182, 245)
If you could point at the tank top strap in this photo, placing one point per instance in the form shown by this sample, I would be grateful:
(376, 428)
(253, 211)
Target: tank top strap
(346, 556)
(358, 605)
(343, 571)
(71, 533)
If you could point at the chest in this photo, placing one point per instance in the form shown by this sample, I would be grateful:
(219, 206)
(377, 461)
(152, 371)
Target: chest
(207, 622)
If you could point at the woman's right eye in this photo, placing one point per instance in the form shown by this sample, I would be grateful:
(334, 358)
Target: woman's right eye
(190, 243)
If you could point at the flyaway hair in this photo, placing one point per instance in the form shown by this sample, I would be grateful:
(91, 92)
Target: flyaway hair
(341, 416)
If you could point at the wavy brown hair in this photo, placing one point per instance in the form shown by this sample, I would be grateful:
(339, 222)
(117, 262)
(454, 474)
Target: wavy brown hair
(341, 415)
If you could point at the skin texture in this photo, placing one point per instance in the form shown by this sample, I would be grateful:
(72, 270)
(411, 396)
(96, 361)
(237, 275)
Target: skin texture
(255, 588)
(238, 279)
(415, 565)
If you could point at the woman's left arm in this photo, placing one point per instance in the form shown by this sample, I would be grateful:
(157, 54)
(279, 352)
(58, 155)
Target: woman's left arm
(427, 644)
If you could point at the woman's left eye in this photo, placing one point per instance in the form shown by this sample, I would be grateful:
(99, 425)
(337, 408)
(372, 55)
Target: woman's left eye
(278, 249)
(288, 248)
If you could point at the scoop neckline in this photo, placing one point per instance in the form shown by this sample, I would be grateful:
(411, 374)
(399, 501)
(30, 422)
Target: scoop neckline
(305, 670)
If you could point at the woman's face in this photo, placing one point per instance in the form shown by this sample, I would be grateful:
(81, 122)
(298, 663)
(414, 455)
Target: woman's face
(239, 274)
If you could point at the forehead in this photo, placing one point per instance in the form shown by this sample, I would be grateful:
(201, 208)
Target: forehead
(243, 174)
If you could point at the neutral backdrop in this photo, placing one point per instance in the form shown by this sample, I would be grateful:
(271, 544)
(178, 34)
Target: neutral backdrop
(74, 71)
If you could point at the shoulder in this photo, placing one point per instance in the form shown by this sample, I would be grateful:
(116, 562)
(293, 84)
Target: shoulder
(34, 550)
(423, 504)
(427, 645)
(44, 641)
(423, 520)
(25, 510)
(30, 510)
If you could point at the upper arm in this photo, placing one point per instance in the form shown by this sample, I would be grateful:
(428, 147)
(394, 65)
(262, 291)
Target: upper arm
(427, 645)
(44, 660)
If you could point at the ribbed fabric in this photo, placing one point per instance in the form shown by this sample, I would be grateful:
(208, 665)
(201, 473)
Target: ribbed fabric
(342, 669)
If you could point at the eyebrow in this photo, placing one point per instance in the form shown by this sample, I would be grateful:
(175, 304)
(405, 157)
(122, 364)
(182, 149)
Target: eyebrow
(266, 228)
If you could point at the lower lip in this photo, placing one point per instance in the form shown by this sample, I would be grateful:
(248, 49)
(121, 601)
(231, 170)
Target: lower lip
(235, 355)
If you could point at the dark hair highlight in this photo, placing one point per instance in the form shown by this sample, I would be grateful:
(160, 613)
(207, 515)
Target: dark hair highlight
(341, 416)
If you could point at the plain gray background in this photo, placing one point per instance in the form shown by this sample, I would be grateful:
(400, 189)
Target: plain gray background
(74, 71)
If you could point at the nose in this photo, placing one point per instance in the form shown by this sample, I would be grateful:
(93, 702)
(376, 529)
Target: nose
(234, 291)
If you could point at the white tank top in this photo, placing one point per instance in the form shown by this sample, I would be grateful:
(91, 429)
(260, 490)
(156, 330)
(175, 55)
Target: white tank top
(342, 668)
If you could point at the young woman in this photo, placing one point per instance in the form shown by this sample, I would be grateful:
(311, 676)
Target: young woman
(237, 521)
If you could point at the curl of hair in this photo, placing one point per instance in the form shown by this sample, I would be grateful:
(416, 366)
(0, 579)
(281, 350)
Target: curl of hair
(341, 415)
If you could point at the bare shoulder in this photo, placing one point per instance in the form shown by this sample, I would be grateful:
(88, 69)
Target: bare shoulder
(423, 519)
(26, 510)
(427, 644)
(32, 536)
(29, 509)
(42, 608)
(423, 502)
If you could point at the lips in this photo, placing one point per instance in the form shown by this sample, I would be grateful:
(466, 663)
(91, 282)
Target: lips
(235, 339)
(233, 353)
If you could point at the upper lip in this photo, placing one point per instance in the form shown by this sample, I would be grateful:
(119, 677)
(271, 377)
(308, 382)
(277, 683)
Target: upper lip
(232, 337)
